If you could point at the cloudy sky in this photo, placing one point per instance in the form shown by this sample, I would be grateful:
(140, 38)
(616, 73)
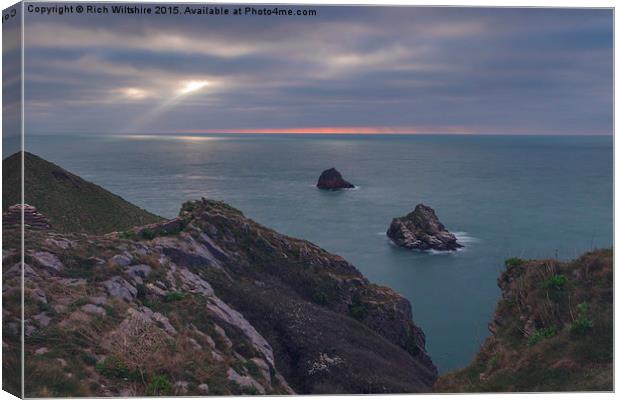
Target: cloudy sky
(348, 69)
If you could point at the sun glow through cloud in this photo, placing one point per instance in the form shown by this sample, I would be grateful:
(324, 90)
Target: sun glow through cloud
(186, 88)
(132, 93)
(192, 86)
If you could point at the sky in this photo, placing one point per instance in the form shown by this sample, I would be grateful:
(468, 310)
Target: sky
(345, 70)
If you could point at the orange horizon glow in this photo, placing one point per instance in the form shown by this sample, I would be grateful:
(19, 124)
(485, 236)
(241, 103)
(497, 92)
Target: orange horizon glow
(342, 130)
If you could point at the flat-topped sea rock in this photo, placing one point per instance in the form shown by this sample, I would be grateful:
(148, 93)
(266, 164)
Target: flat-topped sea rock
(331, 179)
(421, 230)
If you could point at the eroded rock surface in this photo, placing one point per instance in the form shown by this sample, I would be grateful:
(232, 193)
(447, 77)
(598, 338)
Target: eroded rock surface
(265, 312)
(422, 230)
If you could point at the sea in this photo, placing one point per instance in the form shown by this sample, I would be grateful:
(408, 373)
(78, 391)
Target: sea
(503, 196)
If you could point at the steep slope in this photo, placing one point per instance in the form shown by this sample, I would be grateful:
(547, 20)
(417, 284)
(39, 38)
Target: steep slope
(552, 330)
(71, 203)
(208, 303)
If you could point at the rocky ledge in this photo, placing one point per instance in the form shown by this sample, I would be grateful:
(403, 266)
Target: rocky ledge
(331, 179)
(32, 218)
(421, 230)
(207, 303)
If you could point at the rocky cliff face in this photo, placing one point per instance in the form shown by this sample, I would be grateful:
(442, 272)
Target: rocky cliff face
(552, 330)
(208, 303)
(421, 230)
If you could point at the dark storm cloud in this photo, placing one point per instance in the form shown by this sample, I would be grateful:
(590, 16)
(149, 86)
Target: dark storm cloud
(471, 70)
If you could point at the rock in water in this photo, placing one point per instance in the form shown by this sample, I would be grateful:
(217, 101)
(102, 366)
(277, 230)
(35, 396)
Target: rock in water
(331, 179)
(421, 230)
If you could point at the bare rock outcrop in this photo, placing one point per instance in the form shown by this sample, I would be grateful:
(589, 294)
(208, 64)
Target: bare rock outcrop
(331, 179)
(422, 230)
(32, 218)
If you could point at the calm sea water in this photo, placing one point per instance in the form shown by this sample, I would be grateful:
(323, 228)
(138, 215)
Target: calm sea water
(503, 196)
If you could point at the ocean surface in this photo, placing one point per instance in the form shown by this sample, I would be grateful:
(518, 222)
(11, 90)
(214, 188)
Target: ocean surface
(503, 196)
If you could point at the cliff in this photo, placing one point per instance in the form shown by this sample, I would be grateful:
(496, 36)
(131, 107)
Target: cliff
(208, 303)
(552, 330)
(71, 203)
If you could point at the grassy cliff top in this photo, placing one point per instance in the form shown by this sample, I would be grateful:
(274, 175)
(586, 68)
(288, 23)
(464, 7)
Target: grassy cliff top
(552, 330)
(71, 203)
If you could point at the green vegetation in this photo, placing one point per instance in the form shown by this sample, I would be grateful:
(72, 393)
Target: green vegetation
(112, 367)
(252, 391)
(141, 291)
(147, 234)
(252, 369)
(582, 325)
(159, 386)
(71, 203)
(78, 303)
(541, 334)
(358, 309)
(131, 235)
(411, 346)
(55, 381)
(323, 291)
(572, 350)
(556, 282)
(514, 262)
(188, 207)
(174, 296)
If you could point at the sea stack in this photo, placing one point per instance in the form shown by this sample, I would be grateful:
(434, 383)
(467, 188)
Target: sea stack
(331, 179)
(421, 230)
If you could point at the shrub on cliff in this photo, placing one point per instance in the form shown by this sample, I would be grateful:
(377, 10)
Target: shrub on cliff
(514, 262)
(358, 309)
(582, 325)
(159, 386)
(556, 282)
(112, 367)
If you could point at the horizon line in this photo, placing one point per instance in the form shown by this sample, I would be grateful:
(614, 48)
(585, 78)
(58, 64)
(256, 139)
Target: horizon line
(369, 132)
(335, 130)
(322, 132)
